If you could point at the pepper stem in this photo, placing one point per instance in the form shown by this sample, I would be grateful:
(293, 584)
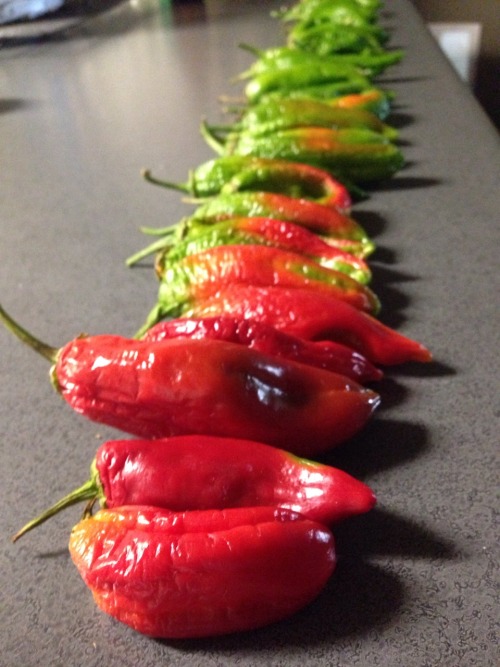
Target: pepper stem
(161, 244)
(148, 176)
(87, 491)
(50, 353)
(212, 140)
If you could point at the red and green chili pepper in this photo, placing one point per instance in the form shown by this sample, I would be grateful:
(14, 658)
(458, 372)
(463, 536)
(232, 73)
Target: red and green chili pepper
(197, 277)
(236, 173)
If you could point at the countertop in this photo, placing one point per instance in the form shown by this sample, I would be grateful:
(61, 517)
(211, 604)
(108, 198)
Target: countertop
(85, 108)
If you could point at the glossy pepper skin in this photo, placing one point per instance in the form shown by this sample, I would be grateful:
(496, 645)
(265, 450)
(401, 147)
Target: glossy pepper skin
(263, 231)
(283, 57)
(275, 115)
(345, 12)
(182, 387)
(315, 317)
(355, 155)
(153, 390)
(325, 39)
(233, 173)
(258, 336)
(317, 218)
(198, 574)
(282, 81)
(202, 275)
(199, 472)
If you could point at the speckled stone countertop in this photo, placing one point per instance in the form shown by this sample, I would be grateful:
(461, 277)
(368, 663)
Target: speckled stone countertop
(80, 115)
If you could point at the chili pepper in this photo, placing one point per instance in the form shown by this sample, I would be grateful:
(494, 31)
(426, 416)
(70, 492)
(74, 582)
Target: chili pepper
(283, 57)
(332, 10)
(263, 338)
(153, 390)
(195, 472)
(275, 115)
(198, 276)
(354, 155)
(234, 172)
(374, 100)
(301, 76)
(328, 222)
(197, 574)
(324, 91)
(325, 39)
(263, 231)
(314, 316)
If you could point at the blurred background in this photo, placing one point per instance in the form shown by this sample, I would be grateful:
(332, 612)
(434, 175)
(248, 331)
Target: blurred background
(467, 31)
(470, 34)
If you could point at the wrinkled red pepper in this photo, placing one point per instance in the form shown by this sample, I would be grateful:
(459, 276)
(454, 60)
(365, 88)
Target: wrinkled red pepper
(258, 336)
(199, 472)
(314, 316)
(197, 574)
(211, 387)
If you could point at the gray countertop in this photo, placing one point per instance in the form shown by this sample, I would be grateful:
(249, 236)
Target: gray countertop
(80, 115)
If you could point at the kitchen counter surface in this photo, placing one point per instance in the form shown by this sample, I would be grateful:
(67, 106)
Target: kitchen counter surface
(82, 110)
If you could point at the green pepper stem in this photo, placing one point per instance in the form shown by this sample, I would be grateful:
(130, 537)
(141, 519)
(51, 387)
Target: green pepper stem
(50, 353)
(147, 176)
(88, 491)
(212, 140)
(158, 245)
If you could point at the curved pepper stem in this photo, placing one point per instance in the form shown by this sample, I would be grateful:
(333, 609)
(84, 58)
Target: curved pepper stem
(50, 353)
(210, 137)
(148, 176)
(90, 491)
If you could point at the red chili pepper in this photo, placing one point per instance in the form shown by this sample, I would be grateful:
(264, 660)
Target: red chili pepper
(198, 574)
(201, 275)
(178, 387)
(258, 336)
(199, 472)
(314, 316)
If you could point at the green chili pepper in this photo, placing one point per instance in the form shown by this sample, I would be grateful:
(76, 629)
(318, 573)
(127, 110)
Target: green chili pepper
(303, 76)
(340, 10)
(370, 64)
(375, 100)
(325, 39)
(270, 116)
(353, 155)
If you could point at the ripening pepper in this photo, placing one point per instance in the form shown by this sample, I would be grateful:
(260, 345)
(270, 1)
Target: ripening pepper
(330, 223)
(235, 173)
(352, 155)
(314, 316)
(374, 100)
(182, 386)
(271, 116)
(283, 57)
(321, 91)
(263, 231)
(201, 275)
(199, 472)
(197, 574)
(264, 338)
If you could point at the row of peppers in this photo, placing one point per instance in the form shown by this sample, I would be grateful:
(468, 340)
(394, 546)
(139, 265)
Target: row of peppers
(259, 352)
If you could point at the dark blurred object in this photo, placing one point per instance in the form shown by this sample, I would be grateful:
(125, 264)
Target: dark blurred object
(486, 85)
